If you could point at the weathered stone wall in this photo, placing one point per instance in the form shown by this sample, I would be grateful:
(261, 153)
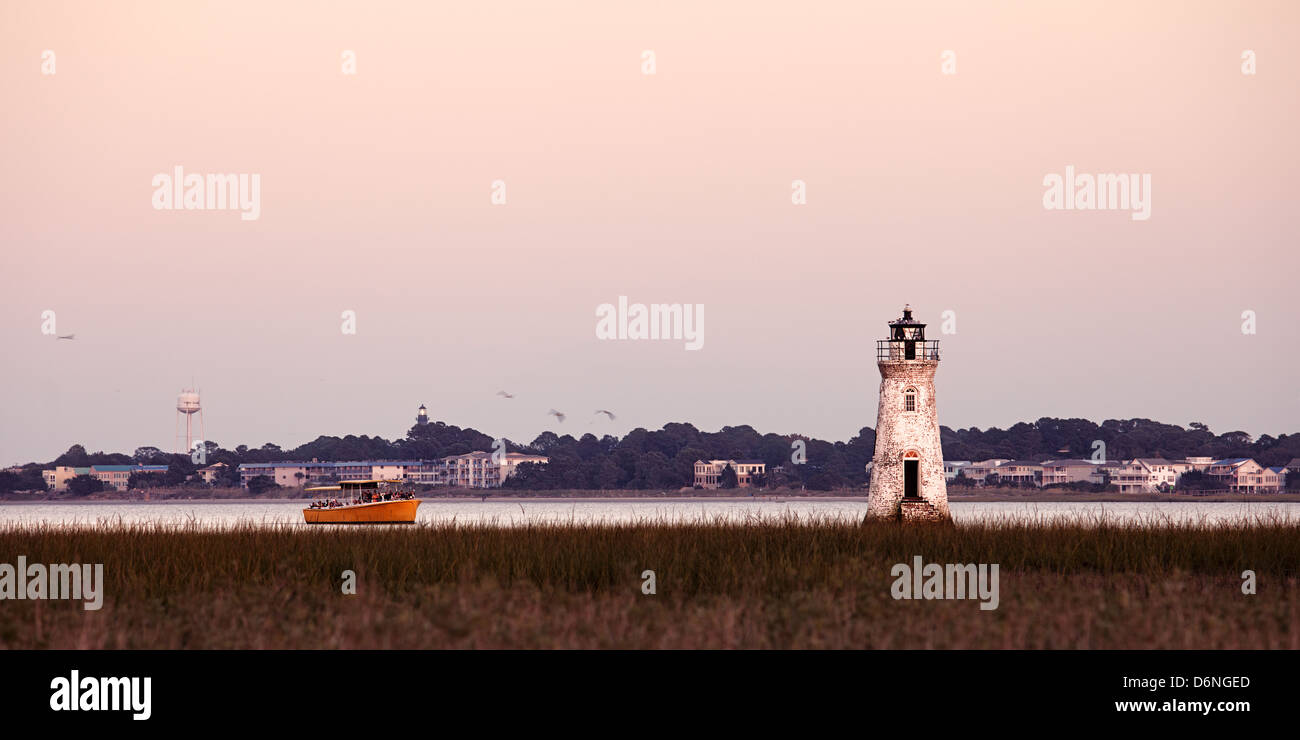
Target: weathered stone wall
(898, 431)
(920, 512)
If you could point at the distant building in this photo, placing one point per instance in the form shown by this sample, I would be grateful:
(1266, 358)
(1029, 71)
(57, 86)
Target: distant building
(1281, 475)
(1061, 472)
(979, 471)
(211, 472)
(1161, 474)
(1127, 477)
(709, 474)
(471, 470)
(952, 467)
(113, 476)
(514, 459)
(428, 473)
(294, 474)
(1292, 469)
(1020, 472)
(481, 470)
(284, 474)
(57, 478)
(118, 476)
(1245, 475)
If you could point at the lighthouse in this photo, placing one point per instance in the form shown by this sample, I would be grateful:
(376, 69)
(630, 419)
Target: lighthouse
(422, 416)
(907, 478)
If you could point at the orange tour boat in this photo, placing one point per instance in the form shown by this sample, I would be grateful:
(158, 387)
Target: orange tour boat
(361, 502)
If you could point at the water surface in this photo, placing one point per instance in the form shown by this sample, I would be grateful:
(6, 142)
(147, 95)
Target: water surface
(515, 513)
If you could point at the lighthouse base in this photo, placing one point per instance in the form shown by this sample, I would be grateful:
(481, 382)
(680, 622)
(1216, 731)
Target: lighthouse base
(914, 511)
(919, 510)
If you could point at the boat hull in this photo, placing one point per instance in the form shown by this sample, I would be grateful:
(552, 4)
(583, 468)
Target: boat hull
(380, 512)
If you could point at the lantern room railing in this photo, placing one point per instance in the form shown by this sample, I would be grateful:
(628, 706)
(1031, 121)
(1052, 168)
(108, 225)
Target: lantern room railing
(896, 350)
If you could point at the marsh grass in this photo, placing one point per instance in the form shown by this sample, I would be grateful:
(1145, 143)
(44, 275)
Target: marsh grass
(783, 581)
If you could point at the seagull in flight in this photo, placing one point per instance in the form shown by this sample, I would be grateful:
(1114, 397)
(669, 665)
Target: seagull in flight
(67, 336)
(610, 414)
(503, 394)
(557, 414)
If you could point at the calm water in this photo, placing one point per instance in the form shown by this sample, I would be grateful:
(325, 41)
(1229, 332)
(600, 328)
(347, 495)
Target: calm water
(513, 513)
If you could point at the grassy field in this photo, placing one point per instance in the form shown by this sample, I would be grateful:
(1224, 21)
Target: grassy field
(766, 584)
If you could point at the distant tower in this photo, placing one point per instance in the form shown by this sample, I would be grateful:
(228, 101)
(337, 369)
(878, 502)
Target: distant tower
(423, 416)
(187, 405)
(907, 479)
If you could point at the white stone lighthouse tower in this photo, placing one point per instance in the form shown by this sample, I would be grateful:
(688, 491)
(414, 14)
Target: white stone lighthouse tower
(907, 479)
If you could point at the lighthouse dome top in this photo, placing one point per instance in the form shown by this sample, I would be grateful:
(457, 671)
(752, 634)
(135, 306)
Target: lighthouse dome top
(907, 319)
(906, 341)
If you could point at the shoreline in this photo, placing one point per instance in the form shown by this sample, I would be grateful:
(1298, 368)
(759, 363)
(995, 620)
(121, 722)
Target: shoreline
(977, 498)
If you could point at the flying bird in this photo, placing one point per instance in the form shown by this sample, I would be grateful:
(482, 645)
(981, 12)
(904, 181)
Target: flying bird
(67, 336)
(610, 414)
(503, 394)
(557, 414)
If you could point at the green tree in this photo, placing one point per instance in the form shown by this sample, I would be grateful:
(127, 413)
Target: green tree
(1196, 480)
(228, 477)
(147, 455)
(75, 457)
(261, 483)
(140, 480)
(84, 485)
(27, 479)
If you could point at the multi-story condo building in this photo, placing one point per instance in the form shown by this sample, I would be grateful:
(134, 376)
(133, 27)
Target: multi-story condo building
(471, 470)
(514, 459)
(118, 476)
(292, 473)
(115, 476)
(428, 472)
(57, 478)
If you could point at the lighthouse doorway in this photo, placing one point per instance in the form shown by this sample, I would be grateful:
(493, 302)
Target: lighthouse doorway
(910, 484)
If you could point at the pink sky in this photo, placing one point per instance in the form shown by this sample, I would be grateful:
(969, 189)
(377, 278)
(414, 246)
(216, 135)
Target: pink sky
(667, 188)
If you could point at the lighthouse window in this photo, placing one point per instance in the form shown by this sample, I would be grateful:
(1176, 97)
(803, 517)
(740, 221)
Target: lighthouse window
(909, 399)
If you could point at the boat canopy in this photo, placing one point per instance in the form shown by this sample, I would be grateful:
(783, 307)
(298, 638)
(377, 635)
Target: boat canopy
(353, 485)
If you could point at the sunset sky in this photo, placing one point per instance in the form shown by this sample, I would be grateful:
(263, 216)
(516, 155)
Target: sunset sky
(673, 187)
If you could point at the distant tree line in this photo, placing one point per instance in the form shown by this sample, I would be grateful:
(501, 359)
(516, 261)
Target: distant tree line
(665, 458)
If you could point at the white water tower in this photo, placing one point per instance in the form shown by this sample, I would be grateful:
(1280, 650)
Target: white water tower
(187, 405)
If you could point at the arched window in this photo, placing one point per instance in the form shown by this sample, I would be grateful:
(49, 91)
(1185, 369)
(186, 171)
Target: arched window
(909, 399)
